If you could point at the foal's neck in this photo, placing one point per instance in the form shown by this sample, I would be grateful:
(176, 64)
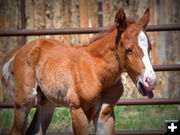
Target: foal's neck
(101, 47)
(104, 53)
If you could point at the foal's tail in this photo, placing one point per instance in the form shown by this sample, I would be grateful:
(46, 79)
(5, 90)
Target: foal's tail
(7, 75)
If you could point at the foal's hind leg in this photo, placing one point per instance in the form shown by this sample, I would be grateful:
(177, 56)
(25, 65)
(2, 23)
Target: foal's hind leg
(25, 95)
(42, 117)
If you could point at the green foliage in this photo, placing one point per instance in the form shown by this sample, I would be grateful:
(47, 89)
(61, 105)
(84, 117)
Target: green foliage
(149, 117)
(6, 119)
(61, 121)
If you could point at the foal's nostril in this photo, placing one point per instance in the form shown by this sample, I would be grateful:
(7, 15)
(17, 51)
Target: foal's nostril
(150, 82)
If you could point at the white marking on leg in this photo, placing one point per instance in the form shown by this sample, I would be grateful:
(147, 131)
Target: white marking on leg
(102, 125)
(34, 90)
(143, 43)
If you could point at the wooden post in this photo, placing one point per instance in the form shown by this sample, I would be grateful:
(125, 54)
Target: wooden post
(22, 4)
(84, 19)
(100, 13)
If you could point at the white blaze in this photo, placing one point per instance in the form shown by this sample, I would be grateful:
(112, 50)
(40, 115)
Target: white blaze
(143, 43)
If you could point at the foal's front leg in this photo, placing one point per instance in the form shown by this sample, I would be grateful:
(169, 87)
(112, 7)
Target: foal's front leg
(79, 121)
(105, 120)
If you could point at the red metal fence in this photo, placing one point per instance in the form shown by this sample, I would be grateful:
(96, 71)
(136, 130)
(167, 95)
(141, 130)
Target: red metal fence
(24, 32)
(147, 132)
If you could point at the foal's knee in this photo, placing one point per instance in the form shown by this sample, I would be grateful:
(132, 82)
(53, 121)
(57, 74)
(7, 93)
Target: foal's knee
(106, 111)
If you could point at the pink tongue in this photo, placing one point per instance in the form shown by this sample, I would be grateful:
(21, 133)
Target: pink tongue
(147, 84)
(150, 94)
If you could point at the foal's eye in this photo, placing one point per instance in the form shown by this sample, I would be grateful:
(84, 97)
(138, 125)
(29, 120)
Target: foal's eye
(129, 50)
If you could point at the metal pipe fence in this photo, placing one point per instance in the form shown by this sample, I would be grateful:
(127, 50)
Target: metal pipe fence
(146, 132)
(32, 32)
(126, 102)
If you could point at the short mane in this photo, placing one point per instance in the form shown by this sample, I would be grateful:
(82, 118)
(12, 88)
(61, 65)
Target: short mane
(130, 20)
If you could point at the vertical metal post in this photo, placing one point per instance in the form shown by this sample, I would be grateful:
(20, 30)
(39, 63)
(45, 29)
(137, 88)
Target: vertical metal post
(22, 5)
(100, 13)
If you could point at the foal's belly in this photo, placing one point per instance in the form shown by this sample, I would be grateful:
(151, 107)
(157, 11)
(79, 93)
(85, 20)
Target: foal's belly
(55, 86)
(58, 96)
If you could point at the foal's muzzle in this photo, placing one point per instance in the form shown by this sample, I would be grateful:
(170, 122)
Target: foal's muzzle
(146, 83)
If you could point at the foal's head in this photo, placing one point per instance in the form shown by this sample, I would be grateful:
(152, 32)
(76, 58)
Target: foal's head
(134, 48)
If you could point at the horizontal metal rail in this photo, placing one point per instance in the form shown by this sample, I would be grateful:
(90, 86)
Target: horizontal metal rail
(148, 132)
(169, 67)
(161, 101)
(145, 132)
(30, 32)
(126, 102)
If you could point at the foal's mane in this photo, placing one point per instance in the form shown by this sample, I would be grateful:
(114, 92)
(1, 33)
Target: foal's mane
(102, 34)
(130, 20)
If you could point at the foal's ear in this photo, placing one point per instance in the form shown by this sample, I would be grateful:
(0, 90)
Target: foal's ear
(120, 20)
(145, 18)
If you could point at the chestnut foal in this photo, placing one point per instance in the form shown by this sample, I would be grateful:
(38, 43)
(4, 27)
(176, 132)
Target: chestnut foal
(84, 79)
